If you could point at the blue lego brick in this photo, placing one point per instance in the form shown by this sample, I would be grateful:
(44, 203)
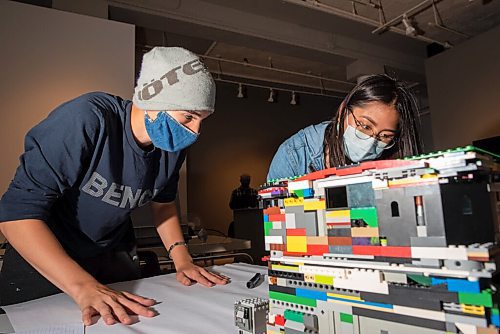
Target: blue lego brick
(495, 319)
(458, 285)
(461, 285)
(318, 295)
(266, 218)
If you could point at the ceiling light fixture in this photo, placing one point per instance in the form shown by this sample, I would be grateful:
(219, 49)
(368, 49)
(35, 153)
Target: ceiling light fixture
(409, 28)
(293, 101)
(271, 96)
(240, 91)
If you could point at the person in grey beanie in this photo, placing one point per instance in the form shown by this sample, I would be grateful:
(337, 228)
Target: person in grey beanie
(66, 213)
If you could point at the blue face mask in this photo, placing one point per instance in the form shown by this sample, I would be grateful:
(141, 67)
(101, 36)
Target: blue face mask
(358, 149)
(168, 134)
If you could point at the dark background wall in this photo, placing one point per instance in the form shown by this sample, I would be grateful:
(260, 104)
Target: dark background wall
(242, 137)
(464, 91)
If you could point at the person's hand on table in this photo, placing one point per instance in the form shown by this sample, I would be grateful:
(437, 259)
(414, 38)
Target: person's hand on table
(113, 306)
(188, 274)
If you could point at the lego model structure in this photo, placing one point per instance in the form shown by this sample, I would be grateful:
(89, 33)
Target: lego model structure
(385, 247)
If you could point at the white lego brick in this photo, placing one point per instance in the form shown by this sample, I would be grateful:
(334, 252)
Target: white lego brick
(336, 181)
(321, 218)
(281, 281)
(380, 184)
(299, 185)
(346, 328)
(277, 253)
(277, 225)
(332, 307)
(441, 253)
(290, 220)
(422, 231)
(466, 328)
(272, 329)
(324, 271)
(419, 313)
(273, 239)
(298, 326)
(395, 277)
(271, 318)
(363, 280)
(267, 247)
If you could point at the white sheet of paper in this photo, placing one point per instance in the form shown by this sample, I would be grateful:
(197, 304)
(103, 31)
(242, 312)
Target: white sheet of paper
(60, 329)
(181, 309)
(43, 313)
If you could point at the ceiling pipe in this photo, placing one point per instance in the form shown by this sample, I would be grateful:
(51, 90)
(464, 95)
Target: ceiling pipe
(279, 70)
(410, 12)
(316, 5)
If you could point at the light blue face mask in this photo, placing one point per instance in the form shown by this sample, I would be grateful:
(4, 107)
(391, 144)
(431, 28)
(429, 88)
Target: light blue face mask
(358, 149)
(168, 134)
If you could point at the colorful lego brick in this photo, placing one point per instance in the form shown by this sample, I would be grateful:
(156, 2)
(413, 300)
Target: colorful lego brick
(362, 216)
(296, 232)
(484, 298)
(292, 298)
(310, 205)
(364, 232)
(296, 244)
(339, 241)
(292, 201)
(317, 249)
(277, 217)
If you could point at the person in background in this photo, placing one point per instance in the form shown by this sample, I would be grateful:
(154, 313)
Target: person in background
(66, 214)
(244, 196)
(378, 119)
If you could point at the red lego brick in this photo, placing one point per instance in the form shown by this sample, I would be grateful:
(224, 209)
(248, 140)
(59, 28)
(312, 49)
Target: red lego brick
(279, 320)
(277, 218)
(366, 250)
(395, 251)
(296, 231)
(317, 249)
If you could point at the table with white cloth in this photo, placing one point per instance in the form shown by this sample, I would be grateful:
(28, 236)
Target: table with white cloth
(181, 309)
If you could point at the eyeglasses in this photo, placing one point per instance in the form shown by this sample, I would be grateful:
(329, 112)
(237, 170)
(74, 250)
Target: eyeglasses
(364, 131)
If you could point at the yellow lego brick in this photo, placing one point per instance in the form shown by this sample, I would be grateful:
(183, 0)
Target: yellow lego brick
(321, 279)
(472, 309)
(285, 268)
(296, 244)
(364, 232)
(292, 201)
(336, 295)
(314, 205)
(339, 214)
(317, 240)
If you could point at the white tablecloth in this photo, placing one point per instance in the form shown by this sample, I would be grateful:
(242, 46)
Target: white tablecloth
(181, 309)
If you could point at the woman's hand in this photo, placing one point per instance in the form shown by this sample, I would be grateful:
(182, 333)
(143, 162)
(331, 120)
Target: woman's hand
(113, 306)
(188, 274)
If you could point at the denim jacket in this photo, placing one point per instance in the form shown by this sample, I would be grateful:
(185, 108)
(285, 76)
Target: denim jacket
(300, 154)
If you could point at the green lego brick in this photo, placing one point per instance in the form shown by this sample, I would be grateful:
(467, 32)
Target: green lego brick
(267, 226)
(420, 279)
(344, 317)
(369, 215)
(483, 298)
(298, 192)
(292, 299)
(375, 241)
(495, 311)
(294, 316)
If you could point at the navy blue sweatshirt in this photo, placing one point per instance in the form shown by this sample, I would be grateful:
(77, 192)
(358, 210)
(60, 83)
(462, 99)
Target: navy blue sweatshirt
(82, 173)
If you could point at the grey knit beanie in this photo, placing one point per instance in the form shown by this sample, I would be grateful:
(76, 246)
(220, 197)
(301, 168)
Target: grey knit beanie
(174, 78)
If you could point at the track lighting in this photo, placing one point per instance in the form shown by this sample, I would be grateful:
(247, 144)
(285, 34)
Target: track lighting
(293, 101)
(409, 28)
(271, 95)
(240, 92)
